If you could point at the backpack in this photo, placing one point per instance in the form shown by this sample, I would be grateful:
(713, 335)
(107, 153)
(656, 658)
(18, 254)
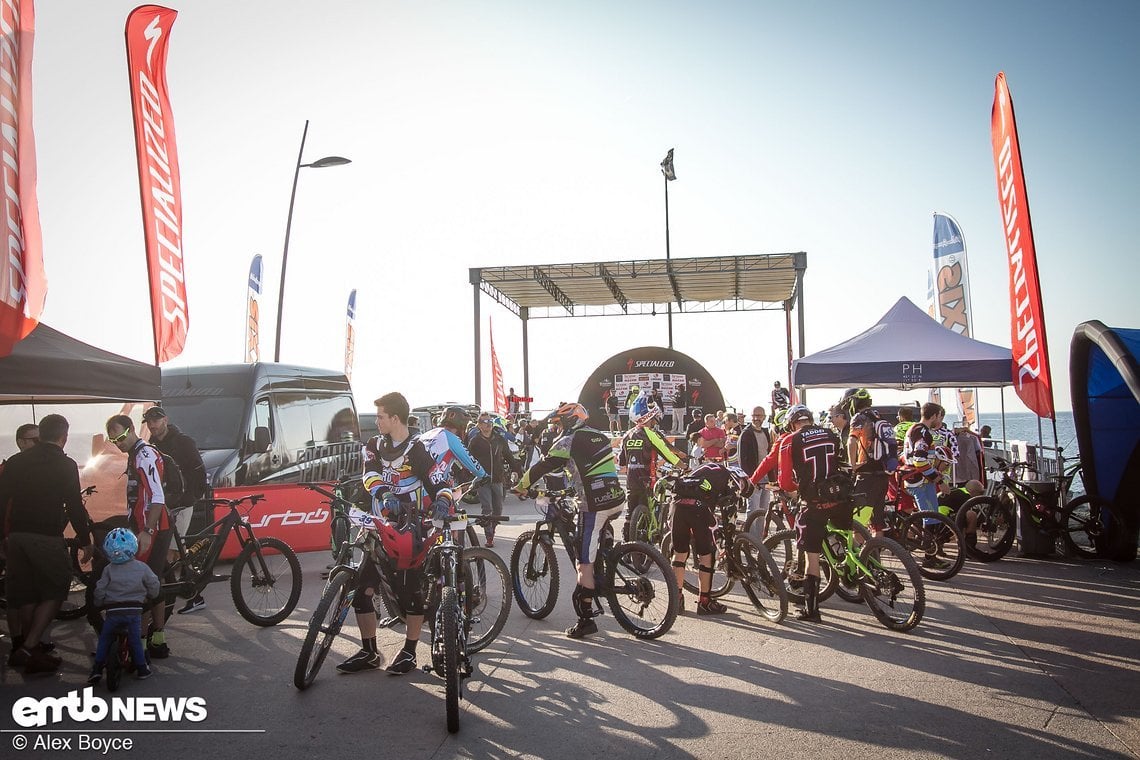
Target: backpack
(173, 484)
(884, 442)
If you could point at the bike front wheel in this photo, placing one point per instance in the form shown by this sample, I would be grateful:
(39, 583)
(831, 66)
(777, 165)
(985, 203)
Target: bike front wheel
(266, 581)
(642, 590)
(894, 591)
(324, 626)
(488, 596)
(1093, 527)
(534, 575)
(449, 613)
(995, 527)
(935, 542)
(760, 577)
(340, 532)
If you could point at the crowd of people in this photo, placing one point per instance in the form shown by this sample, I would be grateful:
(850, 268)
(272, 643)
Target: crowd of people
(411, 474)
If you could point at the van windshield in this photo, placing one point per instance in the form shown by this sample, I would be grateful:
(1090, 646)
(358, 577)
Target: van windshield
(214, 422)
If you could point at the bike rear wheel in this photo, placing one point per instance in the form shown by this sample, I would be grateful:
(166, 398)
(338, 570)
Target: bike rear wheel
(996, 528)
(449, 613)
(760, 577)
(642, 590)
(894, 591)
(534, 575)
(1093, 527)
(488, 596)
(324, 626)
(935, 542)
(265, 581)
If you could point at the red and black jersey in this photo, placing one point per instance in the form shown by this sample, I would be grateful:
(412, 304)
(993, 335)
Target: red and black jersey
(815, 455)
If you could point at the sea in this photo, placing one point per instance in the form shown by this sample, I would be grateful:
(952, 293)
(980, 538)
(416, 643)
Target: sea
(1022, 426)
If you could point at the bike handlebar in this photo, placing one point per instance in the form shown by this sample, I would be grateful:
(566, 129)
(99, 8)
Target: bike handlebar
(252, 498)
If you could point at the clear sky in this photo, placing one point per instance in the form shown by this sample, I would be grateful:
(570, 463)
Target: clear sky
(503, 132)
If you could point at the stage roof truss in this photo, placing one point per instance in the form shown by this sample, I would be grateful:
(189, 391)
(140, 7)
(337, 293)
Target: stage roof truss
(754, 282)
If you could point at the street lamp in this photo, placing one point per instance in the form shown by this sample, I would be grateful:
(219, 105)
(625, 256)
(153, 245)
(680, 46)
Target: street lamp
(320, 163)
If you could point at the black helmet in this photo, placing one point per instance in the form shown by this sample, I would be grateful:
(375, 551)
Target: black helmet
(855, 399)
(454, 417)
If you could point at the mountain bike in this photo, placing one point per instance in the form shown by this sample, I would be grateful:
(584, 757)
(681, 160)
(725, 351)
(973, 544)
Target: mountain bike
(632, 576)
(739, 556)
(1088, 526)
(265, 579)
(468, 597)
(858, 567)
(649, 522)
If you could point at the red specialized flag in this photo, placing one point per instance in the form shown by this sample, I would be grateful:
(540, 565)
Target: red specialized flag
(1027, 318)
(497, 375)
(23, 285)
(148, 30)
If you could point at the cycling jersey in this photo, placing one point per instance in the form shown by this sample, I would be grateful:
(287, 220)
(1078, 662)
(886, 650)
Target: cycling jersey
(449, 452)
(588, 456)
(144, 484)
(640, 449)
(405, 469)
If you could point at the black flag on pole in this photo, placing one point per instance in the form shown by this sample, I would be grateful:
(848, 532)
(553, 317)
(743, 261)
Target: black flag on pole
(667, 167)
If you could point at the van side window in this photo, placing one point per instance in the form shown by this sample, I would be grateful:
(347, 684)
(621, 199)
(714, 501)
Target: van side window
(292, 411)
(259, 418)
(334, 419)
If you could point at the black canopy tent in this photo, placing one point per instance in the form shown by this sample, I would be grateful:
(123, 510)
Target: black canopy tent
(906, 349)
(48, 367)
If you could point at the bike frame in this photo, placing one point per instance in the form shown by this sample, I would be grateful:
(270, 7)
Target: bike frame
(194, 580)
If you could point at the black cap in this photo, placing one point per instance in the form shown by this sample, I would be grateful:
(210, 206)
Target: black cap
(154, 413)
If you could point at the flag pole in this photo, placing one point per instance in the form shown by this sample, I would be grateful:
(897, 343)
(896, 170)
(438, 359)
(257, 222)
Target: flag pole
(669, 305)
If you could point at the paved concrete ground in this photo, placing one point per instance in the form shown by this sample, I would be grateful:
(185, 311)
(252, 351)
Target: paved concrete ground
(1019, 659)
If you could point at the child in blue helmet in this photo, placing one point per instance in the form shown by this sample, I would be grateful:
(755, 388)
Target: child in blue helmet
(122, 592)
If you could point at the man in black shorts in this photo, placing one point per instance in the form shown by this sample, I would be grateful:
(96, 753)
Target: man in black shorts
(697, 496)
(39, 487)
(811, 464)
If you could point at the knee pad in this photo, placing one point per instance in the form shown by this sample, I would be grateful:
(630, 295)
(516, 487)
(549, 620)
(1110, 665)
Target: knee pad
(362, 602)
(705, 569)
(583, 599)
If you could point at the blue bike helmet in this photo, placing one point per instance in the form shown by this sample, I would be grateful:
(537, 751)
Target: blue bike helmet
(120, 546)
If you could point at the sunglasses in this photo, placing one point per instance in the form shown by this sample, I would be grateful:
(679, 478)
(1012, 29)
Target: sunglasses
(119, 438)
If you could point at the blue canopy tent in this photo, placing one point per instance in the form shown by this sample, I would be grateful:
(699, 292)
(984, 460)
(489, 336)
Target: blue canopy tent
(906, 348)
(1104, 381)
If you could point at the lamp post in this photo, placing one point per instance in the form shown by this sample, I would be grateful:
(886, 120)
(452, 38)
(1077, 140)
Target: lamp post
(320, 163)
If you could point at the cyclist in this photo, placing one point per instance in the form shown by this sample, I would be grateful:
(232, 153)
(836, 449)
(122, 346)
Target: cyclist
(641, 446)
(923, 455)
(489, 447)
(867, 455)
(147, 515)
(809, 462)
(445, 444)
(588, 456)
(697, 495)
(401, 475)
